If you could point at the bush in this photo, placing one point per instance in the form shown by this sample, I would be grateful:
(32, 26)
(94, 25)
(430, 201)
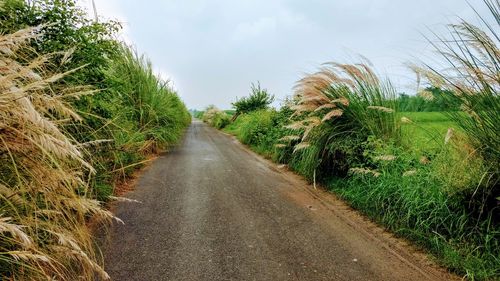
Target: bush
(261, 130)
(257, 100)
(216, 117)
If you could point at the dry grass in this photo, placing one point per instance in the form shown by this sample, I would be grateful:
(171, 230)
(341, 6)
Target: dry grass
(43, 202)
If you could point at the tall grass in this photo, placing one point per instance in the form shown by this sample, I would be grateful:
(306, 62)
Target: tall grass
(336, 109)
(342, 128)
(44, 199)
(139, 96)
(136, 111)
(471, 57)
(50, 182)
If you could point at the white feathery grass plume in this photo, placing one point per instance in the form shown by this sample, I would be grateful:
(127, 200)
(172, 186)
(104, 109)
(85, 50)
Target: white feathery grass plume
(300, 146)
(364, 171)
(406, 120)
(343, 101)
(16, 232)
(303, 107)
(385, 158)
(123, 199)
(424, 160)
(325, 106)
(449, 135)
(296, 125)
(331, 114)
(426, 95)
(47, 163)
(28, 256)
(409, 173)
(381, 108)
(311, 123)
(290, 138)
(12, 195)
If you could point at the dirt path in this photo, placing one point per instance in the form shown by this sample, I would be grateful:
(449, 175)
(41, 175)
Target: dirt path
(212, 210)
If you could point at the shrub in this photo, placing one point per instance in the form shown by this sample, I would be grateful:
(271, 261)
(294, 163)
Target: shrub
(261, 130)
(216, 117)
(258, 99)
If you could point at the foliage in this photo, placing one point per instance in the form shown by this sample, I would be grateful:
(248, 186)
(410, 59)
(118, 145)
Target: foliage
(431, 99)
(140, 115)
(44, 198)
(472, 59)
(337, 109)
(196, 113)
(140, 98)
(62, 148)
(406, 170)
(262, 129)
(65, 26)
(422, 200)
(258, 99)
(216, 117)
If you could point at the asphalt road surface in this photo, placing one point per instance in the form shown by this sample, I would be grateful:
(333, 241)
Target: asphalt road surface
(212, 210)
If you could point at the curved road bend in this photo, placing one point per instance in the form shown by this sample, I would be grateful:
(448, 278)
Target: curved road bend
(212, 210)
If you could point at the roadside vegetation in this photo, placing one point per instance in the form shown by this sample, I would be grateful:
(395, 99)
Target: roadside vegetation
(79, 111)
(425, 166)
(215, 117)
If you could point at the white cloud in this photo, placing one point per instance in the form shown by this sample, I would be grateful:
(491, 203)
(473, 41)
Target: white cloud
(214, 49)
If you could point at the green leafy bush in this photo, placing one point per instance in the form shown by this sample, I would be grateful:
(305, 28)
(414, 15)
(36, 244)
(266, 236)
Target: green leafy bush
(216, 117)
(258, 99)
(261, 129)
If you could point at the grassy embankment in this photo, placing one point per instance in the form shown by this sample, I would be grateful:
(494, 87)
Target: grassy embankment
(420, 195)
(79, 111)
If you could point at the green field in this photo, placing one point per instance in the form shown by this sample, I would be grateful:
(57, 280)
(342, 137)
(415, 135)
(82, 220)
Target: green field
(427, 129)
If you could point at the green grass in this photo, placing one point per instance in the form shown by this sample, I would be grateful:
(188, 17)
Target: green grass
(254, 130)
(421, 201)
(427, 130)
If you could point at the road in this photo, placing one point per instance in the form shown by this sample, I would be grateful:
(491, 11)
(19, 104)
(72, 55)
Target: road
(212, 210)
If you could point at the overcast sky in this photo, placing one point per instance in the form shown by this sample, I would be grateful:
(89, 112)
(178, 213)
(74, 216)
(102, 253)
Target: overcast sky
(213, 50)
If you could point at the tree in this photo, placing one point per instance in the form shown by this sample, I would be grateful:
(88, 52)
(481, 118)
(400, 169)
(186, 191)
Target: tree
(258, 99)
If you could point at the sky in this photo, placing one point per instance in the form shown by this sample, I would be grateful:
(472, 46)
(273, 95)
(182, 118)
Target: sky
(212, 51)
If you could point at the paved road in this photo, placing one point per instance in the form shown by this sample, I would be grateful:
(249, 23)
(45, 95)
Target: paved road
(212, 210)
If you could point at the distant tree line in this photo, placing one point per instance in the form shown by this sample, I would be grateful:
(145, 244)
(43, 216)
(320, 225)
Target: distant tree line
(430, 99)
